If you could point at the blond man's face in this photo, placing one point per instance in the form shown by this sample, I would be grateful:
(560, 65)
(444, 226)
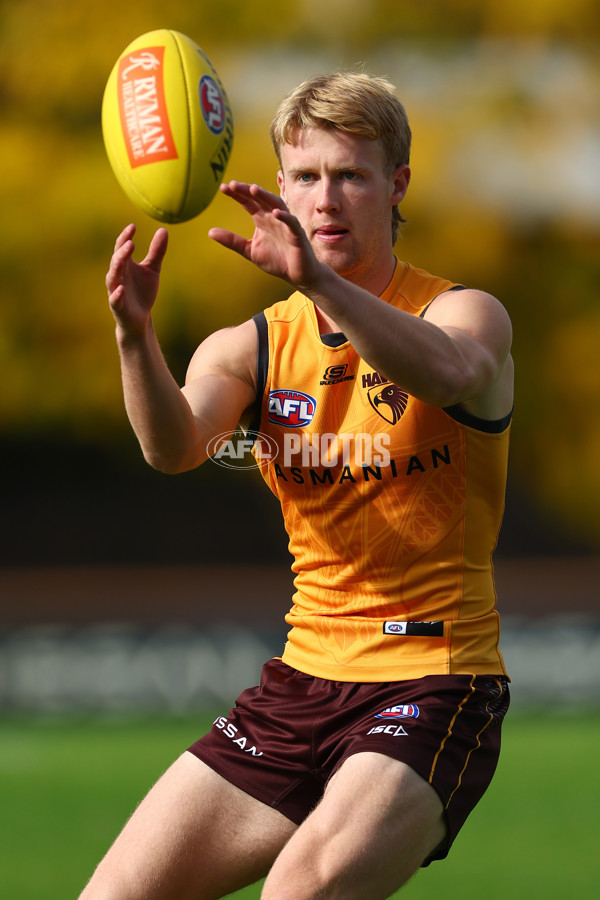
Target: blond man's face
(336, 184)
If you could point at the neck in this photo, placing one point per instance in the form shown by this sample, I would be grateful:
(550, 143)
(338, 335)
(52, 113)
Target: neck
(326, 323)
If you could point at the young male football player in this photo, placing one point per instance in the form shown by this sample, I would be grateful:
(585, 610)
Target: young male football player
(388, 392)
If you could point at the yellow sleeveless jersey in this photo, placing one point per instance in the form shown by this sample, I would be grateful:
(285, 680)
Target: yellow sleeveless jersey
(392, 507)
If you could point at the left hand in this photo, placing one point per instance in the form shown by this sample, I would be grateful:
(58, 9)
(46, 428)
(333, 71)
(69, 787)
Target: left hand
(279, 245)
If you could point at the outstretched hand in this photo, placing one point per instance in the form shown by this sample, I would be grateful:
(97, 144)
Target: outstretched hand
(279, 245)
(133, 287)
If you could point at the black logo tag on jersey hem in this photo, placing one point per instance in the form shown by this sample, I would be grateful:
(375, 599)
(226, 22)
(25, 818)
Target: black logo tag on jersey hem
(414, 629)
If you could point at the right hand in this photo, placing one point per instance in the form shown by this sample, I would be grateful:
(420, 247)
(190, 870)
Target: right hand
(279, 245)
(133, 287)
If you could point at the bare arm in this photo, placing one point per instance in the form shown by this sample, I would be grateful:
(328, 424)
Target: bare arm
(173, 426)
(459, 353)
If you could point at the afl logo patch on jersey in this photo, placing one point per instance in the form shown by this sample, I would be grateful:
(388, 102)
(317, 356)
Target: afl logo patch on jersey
(406, 711)
(291, 408)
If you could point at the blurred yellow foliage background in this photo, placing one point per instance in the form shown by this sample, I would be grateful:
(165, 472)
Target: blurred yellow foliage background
(504, 101)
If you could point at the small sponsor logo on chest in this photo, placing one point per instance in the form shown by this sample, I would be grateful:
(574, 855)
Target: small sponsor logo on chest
(336, 375)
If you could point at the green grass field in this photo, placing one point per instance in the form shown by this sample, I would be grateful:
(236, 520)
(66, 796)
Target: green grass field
(67, 785)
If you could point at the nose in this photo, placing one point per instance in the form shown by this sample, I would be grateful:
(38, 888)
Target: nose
(328, 198)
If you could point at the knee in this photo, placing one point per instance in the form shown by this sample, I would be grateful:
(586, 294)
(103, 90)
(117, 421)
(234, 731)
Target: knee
(106, 888)
(301, 889)
(314, 881)
(108, 883)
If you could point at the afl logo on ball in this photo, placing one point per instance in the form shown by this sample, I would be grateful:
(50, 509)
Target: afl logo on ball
(292, 408)
(211, 104)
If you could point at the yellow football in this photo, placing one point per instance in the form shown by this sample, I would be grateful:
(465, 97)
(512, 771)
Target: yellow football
(167, 125)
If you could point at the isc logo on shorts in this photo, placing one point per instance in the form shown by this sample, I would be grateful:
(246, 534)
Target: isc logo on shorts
(393, 730)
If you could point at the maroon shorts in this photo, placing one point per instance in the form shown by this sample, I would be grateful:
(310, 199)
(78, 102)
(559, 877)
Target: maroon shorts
(285, 738)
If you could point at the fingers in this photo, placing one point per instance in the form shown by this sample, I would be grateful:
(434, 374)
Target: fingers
(157, 249)
(124, 248)
(285, 216)
(230, 240)
(126, 235)
(257, 200)
(123, 253)
(241, 194)
(252, 197)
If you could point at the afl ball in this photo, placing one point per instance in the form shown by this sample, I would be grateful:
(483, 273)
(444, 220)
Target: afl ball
(167, 125)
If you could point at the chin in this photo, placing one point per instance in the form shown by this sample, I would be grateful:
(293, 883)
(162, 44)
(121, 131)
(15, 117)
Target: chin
(341, 262)
(351, 270)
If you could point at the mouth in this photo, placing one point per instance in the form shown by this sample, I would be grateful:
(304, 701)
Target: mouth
(330, 233)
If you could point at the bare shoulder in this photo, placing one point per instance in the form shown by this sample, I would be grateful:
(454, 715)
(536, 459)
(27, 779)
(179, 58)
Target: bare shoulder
(467, 305)
(229, 351)
(482, 330)
(476, 313)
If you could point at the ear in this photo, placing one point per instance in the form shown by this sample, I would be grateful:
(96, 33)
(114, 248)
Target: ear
(281, 185)
(400, 180)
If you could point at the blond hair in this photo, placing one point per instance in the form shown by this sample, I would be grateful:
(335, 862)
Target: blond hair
(352, 102)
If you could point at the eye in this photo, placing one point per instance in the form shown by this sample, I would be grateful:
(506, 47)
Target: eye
(350, 176)
(305, 177)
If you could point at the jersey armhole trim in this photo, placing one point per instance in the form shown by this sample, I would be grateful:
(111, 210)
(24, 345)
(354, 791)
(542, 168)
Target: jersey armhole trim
(489, 426)
(262, 370)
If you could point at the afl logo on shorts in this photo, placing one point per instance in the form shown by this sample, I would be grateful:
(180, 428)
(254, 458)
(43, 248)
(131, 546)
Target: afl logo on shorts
(211, 104)
(291, 408)
(407, 711)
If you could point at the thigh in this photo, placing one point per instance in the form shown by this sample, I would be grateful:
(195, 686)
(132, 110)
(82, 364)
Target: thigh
(266, 744)
(446, 728)
(193, 836)
(377, 822)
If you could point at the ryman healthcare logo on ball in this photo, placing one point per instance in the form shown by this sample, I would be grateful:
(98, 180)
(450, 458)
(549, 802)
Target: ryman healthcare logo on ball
(143, 107)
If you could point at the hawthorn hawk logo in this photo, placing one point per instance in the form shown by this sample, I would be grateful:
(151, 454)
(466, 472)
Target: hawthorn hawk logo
(388, 401)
